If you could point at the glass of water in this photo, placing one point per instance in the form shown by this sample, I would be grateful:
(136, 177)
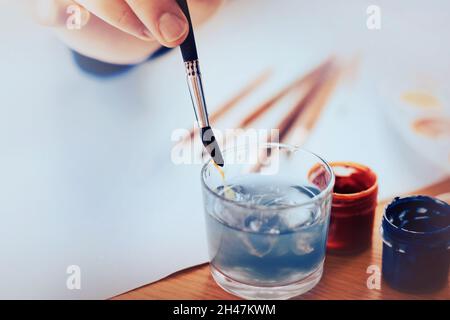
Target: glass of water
(267, 217)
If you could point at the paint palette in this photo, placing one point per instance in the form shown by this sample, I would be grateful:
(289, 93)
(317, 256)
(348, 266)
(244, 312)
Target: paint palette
(418, 107)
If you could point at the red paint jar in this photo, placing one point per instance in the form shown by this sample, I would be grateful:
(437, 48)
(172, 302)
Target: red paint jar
(353, 208)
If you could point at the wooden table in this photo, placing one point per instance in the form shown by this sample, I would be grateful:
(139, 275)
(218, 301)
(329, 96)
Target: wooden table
(345, 277)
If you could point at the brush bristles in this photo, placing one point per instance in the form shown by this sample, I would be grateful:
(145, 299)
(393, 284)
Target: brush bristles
(211, 145)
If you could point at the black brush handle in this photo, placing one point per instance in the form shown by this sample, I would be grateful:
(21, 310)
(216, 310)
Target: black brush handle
(188, 47)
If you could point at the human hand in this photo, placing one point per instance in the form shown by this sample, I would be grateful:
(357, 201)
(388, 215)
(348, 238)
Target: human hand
(121, 31)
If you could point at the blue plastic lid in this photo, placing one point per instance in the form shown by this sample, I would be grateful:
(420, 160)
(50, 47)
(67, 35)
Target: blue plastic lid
(417, 220)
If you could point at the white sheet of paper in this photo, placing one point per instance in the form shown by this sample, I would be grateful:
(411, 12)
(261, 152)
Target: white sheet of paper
(86, 176)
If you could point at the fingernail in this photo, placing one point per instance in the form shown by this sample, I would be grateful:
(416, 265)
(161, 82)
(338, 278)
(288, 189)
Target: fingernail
(172, 27)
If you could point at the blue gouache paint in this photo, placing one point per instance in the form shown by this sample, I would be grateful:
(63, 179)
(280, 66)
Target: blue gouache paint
(416, 236)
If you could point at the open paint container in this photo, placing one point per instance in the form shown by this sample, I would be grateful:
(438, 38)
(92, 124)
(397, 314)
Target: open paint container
(416, 243)
(353, 208)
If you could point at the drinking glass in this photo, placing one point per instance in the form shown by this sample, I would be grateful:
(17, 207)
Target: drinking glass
(267, 216)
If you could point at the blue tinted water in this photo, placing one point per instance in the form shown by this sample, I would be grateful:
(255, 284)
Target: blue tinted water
(261, 247)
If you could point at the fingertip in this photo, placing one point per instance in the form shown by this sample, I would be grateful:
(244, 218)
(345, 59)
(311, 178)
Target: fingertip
(85, 15)
(176, 43)
(173, 29)
(57, 13)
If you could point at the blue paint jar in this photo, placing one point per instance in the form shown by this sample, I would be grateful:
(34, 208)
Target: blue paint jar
(416, 244)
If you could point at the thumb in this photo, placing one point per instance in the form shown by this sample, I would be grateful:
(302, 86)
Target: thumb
(58, 13)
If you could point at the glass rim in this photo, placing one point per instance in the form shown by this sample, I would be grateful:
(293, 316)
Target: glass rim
(318, 197)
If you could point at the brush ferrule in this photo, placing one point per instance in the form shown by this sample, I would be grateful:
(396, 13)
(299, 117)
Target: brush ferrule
(194, 80)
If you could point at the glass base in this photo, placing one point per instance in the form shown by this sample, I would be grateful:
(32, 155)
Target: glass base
(267, 293)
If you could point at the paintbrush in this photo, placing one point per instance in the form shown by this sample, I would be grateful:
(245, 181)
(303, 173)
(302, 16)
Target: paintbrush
(194, 79)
